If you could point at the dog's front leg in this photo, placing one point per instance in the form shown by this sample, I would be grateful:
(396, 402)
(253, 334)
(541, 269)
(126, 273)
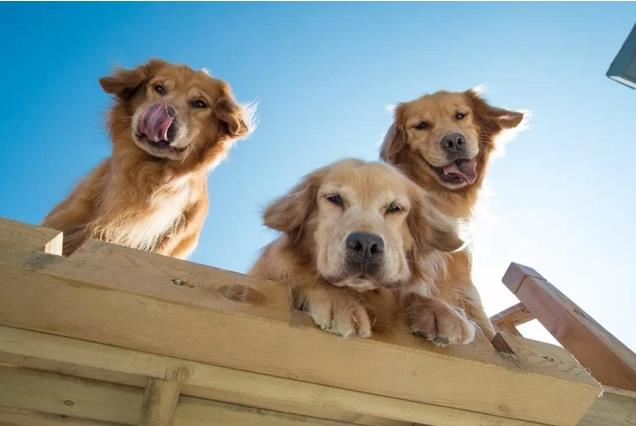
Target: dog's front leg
(333, 309)
(437, 321)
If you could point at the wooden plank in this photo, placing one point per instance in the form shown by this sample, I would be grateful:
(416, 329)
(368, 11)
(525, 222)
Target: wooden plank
(18, 417)
(28, 238)
(510, 318)
(58, 394)
(514, 315)
(616, 407)
(198, 412)
(32, 391)
(159, 403)
(609, 360)
(125, 297)
(103, 362)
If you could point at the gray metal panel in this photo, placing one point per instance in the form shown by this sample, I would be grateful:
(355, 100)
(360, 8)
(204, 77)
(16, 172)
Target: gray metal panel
(623, 68)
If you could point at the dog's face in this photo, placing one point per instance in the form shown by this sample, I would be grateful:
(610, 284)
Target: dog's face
(449, 133)
(363, 224)
(173, 112)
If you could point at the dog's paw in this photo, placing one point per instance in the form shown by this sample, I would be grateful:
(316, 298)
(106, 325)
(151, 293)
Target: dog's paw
(439, 322)
(340, 313)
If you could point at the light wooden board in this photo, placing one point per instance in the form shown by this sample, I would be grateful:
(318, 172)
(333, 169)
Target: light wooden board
(609, 360)
(616, 407)
(38, 397)
(108, 363)
(160, 402)
(59, 394)
(510, 318)
(19, 417)
(198, 412)
(119, 296)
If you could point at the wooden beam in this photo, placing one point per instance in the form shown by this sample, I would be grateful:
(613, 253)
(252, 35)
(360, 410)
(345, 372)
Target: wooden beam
(160, 402)
(34, 392)
(137, 300)
(62, 395)
(510, 318)
(108, 363)
(616, 407)
(609, 360)
(198, 412)
(19, 417)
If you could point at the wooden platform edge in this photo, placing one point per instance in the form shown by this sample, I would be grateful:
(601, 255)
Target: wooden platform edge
(154, 304)
(106, 363)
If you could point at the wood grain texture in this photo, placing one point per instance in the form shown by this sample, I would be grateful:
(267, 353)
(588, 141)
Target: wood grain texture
(108, 363)
(19, 417)
(197, 412)
(616, 407)
(159, 403)
(63, 395)
(510, 318)
(35, 392)
(123, 297)
(610, 361)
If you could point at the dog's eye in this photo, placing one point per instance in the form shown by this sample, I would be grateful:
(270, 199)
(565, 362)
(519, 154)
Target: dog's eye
(160, 89)
(393, 208)
(459, 115)
(199, 103)
(423, 125)
(335, 199)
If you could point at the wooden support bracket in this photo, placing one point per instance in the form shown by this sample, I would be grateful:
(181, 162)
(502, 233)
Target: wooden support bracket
(610, 361)
(160, 402)
(510, 318)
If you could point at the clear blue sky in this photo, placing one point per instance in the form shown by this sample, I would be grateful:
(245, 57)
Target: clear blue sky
(563, 198)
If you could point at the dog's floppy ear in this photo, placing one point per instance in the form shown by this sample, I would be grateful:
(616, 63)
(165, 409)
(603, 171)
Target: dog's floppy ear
(235, 120)
(124, 83)
(289, 213)
(394, 142)
(430, 227)
(493, 118)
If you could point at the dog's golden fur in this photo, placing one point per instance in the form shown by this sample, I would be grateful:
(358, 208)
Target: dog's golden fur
(148, 197)
(316, 218)
(416, 150)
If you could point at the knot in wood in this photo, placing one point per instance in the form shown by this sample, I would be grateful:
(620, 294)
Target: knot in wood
(241, 294)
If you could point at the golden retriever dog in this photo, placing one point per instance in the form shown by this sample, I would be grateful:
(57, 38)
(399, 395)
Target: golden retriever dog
(443, 143)
(170, 125)
(356, 236)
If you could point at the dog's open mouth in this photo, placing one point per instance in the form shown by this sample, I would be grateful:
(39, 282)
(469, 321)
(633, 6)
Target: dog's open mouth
(160, 145)
(156, 129)
(459, 172)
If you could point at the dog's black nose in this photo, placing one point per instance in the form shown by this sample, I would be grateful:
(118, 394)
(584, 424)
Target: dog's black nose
(454, 145)
(171, 112)
(364, 247)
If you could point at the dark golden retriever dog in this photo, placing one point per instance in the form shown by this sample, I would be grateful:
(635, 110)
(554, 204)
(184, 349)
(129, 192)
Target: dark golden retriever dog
(170, 125)
(356, 237)
(443, 142)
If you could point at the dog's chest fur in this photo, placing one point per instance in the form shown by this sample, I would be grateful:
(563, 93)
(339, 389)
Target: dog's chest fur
(145, 229)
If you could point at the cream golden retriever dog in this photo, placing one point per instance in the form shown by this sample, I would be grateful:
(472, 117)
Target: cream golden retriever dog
(170, 125)
(443, 142)
(356, 237)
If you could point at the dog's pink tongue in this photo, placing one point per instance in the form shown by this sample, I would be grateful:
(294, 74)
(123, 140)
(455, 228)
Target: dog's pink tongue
(155, 122)
(463, 169)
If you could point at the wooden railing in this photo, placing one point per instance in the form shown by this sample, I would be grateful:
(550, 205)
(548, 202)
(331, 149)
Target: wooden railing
(611, 362)
(112, 335)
